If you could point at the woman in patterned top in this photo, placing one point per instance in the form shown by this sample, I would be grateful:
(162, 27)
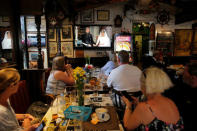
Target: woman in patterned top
(157, 112)
(60, 76)
(9, 81)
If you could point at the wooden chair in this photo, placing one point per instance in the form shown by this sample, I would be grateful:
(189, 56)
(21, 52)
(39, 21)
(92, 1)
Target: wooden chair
(47, 98)
(21, 101)
(120, 106)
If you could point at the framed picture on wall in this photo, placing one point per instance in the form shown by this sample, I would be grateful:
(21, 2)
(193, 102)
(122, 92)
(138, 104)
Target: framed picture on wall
(87, 16)
(52, 34)
(33, 55)
(52, 49)
(67, 33)
(194, 43)
(67, 49)
(183, 40)
(33, 58)
(103, 15)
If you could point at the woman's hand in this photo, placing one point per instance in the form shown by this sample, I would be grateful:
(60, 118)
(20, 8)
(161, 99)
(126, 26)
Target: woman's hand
(30, 117)
(126, 101)
(69, 69)
(135, 100)
(24, 116)
(26, 123)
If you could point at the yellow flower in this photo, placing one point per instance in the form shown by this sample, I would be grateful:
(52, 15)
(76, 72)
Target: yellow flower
(78, 73)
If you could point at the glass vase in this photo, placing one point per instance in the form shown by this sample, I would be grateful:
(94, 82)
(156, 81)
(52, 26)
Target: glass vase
(80, 97)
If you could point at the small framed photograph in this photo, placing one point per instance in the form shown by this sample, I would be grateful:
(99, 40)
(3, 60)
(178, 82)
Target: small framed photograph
(103, 15)
(52, 34)
(67, 49)
(87, 16)
(52, 49)
(33, 55)
(5, 19)
(67, 33)
(33, 58)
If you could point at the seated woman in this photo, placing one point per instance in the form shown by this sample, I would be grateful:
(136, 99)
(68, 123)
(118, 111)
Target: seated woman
(60, 76)
(110, 65)
(157, 112)
(9, 81)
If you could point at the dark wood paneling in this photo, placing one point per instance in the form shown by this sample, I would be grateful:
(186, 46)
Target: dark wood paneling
(34, 79)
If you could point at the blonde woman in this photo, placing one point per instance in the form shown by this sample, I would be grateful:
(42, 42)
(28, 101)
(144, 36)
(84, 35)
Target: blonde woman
(9, 81)
(60, 76)
(157, 112)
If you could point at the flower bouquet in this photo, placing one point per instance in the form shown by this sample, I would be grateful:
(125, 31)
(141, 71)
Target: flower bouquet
(79, 76)
(88, 68)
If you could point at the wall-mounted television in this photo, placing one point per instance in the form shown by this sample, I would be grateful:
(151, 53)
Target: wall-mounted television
(93, 37)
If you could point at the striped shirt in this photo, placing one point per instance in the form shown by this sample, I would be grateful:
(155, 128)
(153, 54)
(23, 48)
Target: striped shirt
(8, 121)
(54, 86)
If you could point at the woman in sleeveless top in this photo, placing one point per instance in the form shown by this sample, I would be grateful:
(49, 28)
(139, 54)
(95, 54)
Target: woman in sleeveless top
(157, 113)
(60, 76)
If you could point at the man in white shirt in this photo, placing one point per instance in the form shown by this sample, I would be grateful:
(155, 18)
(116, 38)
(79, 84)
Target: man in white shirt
(125, 77)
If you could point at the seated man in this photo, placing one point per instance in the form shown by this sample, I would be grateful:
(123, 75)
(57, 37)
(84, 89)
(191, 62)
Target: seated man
(125, 77)
(110, 65)
(155, 60)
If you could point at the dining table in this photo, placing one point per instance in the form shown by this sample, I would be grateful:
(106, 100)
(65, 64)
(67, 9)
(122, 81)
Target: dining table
(56, 120)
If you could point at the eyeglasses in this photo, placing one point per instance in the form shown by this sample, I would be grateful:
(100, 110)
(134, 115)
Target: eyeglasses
(16, 83)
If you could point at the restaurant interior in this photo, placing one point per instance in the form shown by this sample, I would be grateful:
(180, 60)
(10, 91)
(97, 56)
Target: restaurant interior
(34, 32)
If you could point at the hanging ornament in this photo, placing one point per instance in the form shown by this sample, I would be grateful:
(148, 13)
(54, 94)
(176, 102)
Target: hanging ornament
(163, 17)
(118, 21)
(52, 21)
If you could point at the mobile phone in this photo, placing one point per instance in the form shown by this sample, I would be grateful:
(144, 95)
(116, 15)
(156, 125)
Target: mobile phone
(125, 93)
(40, 127)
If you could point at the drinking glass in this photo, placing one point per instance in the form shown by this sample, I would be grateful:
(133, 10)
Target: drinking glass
(73, 96)
(95, 91)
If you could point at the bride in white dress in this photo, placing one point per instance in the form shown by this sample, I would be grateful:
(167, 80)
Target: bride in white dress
(103, 39)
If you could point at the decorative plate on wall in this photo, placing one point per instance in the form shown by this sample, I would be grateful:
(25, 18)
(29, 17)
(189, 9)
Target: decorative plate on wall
(163, 17)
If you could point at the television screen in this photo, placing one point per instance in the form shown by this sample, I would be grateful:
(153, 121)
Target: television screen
(123, 42)
(94, 36)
